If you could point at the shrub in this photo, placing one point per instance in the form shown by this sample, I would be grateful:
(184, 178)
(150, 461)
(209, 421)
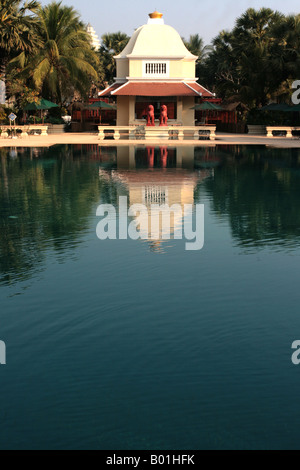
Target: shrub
(54, 120)
(2, 116)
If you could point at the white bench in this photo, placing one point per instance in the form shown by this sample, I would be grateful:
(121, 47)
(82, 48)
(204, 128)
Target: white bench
(5, 130)
(115, 131)
(24, 130)
(194, 130)
(4, 133)
(43, 129)
(287, 129)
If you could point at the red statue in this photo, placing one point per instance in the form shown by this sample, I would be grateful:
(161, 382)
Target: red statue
(150, 116)
(163, 116)
(150, 153)
(164, 156)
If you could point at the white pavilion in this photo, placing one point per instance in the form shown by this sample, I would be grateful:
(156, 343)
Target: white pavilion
(155, 68)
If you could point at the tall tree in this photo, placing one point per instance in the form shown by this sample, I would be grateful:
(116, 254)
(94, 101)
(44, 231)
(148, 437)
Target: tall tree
(285, 50)
(64, 62)
(112, 44)
(252, 39)
(253, 62)
(219, 71)
(17, 30)
(196, 46)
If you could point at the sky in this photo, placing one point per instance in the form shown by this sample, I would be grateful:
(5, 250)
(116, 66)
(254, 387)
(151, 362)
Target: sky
(206, 18)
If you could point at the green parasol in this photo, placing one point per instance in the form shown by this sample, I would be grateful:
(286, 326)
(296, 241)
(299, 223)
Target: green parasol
(276, 107)
(42, 105)
(207, 106)
(294, 109)
(102, 105)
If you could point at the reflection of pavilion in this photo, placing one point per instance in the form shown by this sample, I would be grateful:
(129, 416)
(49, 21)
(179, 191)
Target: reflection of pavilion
(152, 157)
(156, 183)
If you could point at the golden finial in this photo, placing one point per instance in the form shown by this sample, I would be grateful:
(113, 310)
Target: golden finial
(155, 15)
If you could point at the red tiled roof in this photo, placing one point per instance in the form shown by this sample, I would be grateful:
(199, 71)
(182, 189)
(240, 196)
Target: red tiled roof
(160, 89)
(200, 89)
(111, 88)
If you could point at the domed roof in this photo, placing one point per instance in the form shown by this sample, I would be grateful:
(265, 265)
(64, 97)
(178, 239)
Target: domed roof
(155, 40)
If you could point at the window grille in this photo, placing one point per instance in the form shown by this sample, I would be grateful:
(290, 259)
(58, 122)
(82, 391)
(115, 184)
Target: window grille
(156, 68)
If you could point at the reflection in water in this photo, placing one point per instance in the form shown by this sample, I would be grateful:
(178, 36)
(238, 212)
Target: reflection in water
(257, 190)
(161, 176)
(48, 196)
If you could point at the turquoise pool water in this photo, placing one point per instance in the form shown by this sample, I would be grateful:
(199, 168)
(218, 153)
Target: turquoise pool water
(123, 344)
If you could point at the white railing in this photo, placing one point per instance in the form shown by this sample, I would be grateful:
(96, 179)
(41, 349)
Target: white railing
(5, 130)
(156, 131)
(287, 129)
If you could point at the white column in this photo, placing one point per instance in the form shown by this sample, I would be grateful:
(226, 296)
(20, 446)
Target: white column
(179, 110)
(131, 111)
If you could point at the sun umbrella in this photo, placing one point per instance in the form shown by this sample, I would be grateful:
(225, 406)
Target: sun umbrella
(42, 105)
(276, 107)
(207, 106)
(102, 105)
(295, 108)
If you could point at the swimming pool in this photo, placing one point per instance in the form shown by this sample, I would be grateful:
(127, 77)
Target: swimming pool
(141, 344)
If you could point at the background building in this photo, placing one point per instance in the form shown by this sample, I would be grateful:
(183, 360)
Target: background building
(95, 41)
(2, 92)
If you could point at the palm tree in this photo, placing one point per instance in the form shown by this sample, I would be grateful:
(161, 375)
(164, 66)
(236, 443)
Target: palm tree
(287, 52)
(252, 41)
(196, 46)
(63, 64)
(254, 25)
(219, 71)
(18, 30)
(112, 44)
(249, 63)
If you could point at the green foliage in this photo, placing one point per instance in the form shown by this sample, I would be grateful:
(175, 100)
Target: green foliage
(112, 45)
(18, 28)
(17, 31)
(34, 120)
(54, 120)
(196, 46)
(18, 88)
(270, 118)
(52, 197)
(255, 62)
(50, 56)
(55, 113)
(63, 64)
(4, 113)
(3, 116)
(258, 198)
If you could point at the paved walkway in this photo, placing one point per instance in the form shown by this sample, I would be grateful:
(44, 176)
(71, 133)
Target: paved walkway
(85, 138)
